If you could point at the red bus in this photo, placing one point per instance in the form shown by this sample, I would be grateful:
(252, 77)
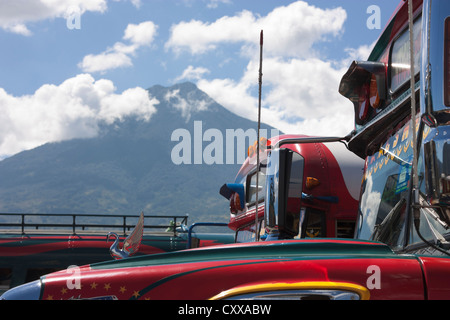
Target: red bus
(322, 195)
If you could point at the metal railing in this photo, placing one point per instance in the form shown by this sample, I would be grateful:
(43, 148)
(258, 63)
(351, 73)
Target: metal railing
(54, 221)
(197, 224)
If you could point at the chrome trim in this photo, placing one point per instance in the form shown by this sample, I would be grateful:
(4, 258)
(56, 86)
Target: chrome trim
(299, 295)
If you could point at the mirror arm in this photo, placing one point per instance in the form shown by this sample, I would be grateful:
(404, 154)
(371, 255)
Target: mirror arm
(279, 143)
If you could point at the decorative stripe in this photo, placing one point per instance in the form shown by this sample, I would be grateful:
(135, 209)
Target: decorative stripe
(178, 275)
(290, 249)
(363, 292)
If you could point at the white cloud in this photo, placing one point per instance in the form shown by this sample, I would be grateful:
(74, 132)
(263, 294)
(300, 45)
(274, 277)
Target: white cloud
(18, 28)
(300, 90)
(118, 56)
(288, 30)
(136, 3)
(70, 110)
(191, 73)
(141, 34)
(235, 96)
(305, 89)
(299, 96)
(15, 15)
(359, 54)
(189, 105)
(213, 4)
(210, 4)
(104, 61)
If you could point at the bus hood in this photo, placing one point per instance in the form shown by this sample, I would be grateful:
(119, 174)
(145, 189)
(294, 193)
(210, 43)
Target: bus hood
(205, 272)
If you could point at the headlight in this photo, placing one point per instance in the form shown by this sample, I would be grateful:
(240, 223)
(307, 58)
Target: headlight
(28, 291)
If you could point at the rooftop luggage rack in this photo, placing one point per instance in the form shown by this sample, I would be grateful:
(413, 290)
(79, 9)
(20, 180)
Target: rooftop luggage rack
(59, 222)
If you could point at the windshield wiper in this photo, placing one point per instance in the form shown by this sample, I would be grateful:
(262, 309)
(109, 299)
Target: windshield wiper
(384, 231)
(429, 210)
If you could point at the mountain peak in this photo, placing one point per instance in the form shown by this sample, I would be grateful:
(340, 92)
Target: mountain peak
(188, 86)
(129, 166)
(185, 98)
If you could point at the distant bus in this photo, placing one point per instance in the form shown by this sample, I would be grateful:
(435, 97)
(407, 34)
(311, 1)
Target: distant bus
(322, 182)
(32, 245)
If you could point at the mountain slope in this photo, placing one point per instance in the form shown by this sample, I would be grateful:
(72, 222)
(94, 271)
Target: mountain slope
(129, 166)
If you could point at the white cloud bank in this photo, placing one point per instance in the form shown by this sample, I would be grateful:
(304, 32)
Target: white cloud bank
(120, 54)
(70, 110)
(299, 96)
(300, 88)
(288, 30)
(16, 14)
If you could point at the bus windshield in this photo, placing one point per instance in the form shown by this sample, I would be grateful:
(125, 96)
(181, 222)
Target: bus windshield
(385, 185)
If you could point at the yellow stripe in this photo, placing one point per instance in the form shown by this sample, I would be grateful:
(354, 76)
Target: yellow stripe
(363, 292)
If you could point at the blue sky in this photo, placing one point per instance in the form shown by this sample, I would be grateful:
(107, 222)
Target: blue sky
(65, 65)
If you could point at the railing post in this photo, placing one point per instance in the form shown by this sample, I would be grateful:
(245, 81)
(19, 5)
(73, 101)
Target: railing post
(23, 224)
(174, 226)
(213, 224)
(73, 223)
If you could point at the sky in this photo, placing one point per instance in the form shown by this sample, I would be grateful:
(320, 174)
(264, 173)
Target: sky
(67, 65)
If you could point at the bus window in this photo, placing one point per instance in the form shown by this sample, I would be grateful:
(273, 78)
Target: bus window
(447, 63)
(345, 228)
(251, 194)
(247, 233)
(400, 57)
(314, 224)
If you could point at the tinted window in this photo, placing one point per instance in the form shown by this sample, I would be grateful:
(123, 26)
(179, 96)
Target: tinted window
(251, 195)
(400, 57)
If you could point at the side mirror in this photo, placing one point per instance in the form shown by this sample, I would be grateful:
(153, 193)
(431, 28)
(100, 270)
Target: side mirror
(284, 180)
(364, 85)
(228, 189)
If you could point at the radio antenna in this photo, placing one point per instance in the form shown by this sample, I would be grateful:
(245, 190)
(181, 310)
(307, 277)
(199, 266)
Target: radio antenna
(261, 41)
